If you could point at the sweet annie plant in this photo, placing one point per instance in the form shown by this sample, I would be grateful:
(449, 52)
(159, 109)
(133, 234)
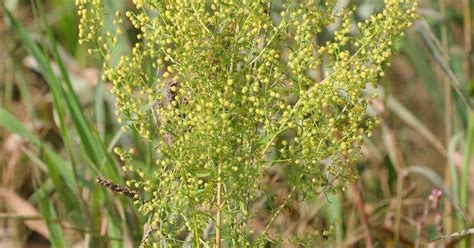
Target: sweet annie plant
(227, 89)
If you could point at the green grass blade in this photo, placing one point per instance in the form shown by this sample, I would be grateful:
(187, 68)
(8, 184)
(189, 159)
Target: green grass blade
(435, 49)
(468, 152)
(47, 71)
(333, 213)
(66, 194)
(9, 122)
(56, 236)
(53, 81)
(114, 231)
(99, 109)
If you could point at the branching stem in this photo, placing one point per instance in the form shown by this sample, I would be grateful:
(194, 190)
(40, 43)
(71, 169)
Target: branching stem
(280, 208)
(219, 207)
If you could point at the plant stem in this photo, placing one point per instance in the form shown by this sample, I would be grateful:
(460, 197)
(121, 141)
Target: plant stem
(464, 188)
(280, 208)
(363, 215)
(467, 28)
(219, 207)
(448, 112)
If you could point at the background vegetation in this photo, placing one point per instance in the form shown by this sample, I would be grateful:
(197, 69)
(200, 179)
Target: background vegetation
(58, 130)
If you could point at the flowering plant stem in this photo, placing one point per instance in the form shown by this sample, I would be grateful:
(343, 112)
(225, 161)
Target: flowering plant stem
(219, 206)
(225, 90)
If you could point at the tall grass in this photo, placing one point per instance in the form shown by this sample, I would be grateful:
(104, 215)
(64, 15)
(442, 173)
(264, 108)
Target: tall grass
(94, 215)
(426, 109)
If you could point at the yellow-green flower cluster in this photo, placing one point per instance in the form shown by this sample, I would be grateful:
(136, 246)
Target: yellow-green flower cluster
(91, 20)
(226, 89)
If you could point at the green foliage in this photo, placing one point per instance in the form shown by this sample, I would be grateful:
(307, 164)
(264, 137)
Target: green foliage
(233, 90)
(87, 157)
